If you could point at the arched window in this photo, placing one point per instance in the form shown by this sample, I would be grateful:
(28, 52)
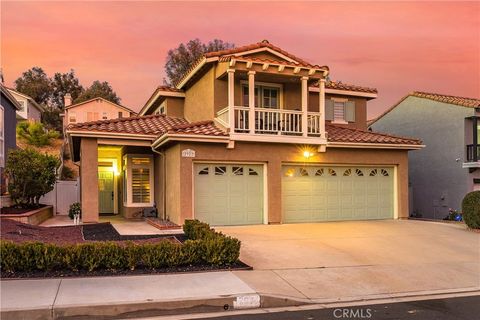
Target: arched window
(384, 173)
(359, 172)
(319, 172)
(252, 172)
(204, 171)
(303, 172)
(332, 172)
(237, 171)
(220, 171)
(347, 173)
(373, 173)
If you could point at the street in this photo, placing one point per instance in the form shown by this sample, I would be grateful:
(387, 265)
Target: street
(463, 308)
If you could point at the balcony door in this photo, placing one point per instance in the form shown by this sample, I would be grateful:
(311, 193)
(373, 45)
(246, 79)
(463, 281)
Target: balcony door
(266, 96)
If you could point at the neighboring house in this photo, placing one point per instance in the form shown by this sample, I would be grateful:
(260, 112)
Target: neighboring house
(449, 166)
(93, 110)
(8, 108)
(249, 135)
(29, 109)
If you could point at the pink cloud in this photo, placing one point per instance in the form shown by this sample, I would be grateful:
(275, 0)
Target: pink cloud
(395, 46)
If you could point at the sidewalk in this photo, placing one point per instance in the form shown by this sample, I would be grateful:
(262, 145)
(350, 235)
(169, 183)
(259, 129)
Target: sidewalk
(122, 296)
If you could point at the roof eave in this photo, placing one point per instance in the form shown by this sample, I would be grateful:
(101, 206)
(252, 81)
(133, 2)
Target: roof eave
(375, 145)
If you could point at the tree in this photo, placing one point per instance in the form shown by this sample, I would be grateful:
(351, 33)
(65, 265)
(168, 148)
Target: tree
(35, 134)
(181, 59)
(63, 83)
(99, 89)
(35, 83)
(31, 175)
(51, 119)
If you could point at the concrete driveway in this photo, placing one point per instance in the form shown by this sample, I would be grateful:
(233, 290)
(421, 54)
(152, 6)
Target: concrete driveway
(337, 261)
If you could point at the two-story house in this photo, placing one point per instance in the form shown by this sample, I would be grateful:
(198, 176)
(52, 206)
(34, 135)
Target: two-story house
(8, 108)
(93, 110)
(29, 108)
(250, 135)
(449, 166)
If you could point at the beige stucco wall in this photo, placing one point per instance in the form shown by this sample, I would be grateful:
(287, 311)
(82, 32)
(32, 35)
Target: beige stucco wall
(173, 193)
(180, 189)
(198, 104)
(174, 107)
(89, 179)
(98, 107)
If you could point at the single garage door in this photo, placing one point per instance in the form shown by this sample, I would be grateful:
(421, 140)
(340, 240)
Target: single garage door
(229, 194)
(331, 193)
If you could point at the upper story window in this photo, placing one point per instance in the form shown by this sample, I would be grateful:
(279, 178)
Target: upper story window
(104, 116)
(339, 110)
(22, 104)
(120, 114)
(266, 96)
(72, 117)
(2, 138)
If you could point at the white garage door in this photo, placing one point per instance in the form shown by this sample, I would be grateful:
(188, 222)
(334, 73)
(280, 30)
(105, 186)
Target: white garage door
(229, 194)
(331, 193)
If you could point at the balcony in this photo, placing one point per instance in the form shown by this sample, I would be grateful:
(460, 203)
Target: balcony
(262, 117)
(275, 122)
(473, 152)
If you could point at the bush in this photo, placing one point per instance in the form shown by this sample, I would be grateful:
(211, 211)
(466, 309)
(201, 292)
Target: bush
(210, 247)
(31, 175)
(67, 173)
(471, 209)
(35, 134)
(75, 208)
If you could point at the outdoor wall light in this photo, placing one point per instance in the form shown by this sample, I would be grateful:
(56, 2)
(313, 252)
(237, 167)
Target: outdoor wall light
(307, 154)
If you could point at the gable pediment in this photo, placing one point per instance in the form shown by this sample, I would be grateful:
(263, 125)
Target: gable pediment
(265, 53)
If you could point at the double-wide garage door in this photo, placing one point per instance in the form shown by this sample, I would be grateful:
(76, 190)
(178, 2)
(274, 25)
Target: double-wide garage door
(331, 193)
(229, 194)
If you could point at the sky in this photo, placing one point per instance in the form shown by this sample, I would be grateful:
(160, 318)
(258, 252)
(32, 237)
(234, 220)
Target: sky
(396, 47)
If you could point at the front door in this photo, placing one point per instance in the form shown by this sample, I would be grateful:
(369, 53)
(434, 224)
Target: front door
(105, 192)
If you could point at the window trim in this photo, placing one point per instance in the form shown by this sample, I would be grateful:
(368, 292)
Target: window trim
(344, 101)
(258, 84)
(72, 115)
(127, 170)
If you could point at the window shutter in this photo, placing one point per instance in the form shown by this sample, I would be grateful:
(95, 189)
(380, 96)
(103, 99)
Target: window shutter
(329, 109)
(350, 111)
(140, 185)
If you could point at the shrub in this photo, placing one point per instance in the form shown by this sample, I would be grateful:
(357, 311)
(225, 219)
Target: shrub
(75, 208)
(67, 173)
(35, 134)
(31, 175)
(471, 209)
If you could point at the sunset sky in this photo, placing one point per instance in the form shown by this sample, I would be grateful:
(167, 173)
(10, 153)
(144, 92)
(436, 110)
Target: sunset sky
(397, 47)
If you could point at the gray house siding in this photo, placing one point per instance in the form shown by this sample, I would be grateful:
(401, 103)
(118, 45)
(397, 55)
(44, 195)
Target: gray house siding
(10, 122)
(438, 181)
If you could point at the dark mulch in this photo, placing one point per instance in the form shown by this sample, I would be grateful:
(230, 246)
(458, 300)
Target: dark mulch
(112, 273)
(16, 210)
(21, 232)
(106, 232)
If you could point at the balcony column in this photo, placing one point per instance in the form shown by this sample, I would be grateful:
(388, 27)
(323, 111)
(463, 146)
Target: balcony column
(321, 107)
(304, 106)
(251, 101)
(231, 99)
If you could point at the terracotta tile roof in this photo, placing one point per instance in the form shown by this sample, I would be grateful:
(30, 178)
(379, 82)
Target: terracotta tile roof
(455, 100)
(343, 134)
(258, 45)
(202, 128)
(168, 88)
(338, 85)
(154, 125)
(461, 101)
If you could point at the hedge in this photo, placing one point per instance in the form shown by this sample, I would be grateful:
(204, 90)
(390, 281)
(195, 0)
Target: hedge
(471, 209)
(204, 247)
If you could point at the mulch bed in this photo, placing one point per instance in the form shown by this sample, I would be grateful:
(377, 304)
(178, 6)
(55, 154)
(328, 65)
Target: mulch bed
(15, 210)
(112, 273)
(106, 232)
(21, 232)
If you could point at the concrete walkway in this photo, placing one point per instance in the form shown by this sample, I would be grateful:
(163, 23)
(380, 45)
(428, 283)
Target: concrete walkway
(116, 296)
(345, 261)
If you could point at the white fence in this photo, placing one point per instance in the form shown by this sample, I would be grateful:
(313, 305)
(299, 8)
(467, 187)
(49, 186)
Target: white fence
(62, 196)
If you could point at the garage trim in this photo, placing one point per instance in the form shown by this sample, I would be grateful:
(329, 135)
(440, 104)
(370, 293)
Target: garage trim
(265, 182)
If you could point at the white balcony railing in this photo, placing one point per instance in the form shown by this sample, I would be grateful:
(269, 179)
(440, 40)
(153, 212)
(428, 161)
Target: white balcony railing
(274, 121)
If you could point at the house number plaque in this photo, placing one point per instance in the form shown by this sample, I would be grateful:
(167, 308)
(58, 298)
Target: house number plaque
(188, 153)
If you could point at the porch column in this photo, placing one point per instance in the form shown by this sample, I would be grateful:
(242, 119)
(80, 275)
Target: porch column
(304, 106)
(89, 179)
(321, 107)
(251, 101)
(231, 99)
